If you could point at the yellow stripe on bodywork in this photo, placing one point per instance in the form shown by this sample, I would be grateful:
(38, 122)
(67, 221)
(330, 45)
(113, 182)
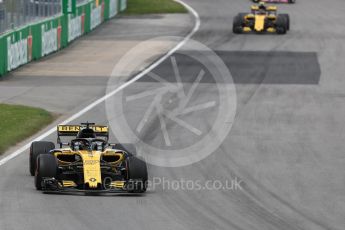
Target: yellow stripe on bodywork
(92, 168)
(259, 23)
(68, 183)
(246, 29)
(271, 30)
(117, 184)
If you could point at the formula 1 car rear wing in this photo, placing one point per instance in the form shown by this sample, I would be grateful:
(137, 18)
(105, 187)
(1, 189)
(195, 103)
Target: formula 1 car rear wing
(73, 130)
(268, 8)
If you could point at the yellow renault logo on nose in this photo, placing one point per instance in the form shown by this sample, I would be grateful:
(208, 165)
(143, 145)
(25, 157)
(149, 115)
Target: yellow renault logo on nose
(91, 162)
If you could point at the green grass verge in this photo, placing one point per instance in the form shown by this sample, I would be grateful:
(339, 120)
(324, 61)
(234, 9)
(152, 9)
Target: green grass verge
(153, 7)
(20, 122)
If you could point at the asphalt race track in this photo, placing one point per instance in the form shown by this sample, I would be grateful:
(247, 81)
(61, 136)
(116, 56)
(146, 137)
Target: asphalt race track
(286, 145)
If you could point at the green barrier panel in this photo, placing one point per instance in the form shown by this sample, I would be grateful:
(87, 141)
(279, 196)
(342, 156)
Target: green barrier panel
(3, 55)
(87, 24)
(35, 41)
(106, 9)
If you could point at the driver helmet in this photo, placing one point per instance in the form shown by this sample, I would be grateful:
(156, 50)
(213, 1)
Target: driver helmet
(262, 6)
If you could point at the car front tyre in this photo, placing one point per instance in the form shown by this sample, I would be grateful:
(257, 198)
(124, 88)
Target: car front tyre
(137, 174)
(46, 168)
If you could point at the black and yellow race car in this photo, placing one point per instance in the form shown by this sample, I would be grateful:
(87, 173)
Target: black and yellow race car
(261, 19)
(87, 163)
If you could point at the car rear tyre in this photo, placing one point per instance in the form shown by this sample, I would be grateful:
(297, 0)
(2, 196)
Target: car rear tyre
(137, 173)
(46, 168)
(37, 148)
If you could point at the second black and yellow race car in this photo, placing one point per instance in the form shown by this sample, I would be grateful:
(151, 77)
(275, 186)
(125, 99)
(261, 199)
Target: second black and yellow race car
(261, 19)
(87, 163)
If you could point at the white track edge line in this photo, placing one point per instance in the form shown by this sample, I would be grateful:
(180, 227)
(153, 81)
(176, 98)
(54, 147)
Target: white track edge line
(105, 97)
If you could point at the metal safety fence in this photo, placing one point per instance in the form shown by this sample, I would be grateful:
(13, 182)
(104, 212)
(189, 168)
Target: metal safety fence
(17, 13)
